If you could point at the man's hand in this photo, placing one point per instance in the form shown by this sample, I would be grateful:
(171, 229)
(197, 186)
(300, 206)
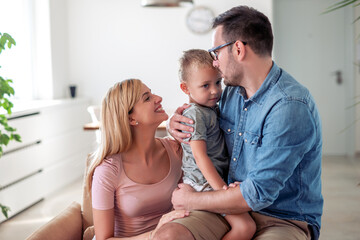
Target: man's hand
(175, 126)
(180, 196)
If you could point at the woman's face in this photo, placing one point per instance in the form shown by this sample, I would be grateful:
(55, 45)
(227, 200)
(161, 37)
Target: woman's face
(148, 110)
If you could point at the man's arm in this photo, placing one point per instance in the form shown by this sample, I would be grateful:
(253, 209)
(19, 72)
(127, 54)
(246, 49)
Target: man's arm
(228, 201)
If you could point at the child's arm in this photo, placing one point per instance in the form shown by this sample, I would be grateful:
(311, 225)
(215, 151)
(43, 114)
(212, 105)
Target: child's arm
(199, 150)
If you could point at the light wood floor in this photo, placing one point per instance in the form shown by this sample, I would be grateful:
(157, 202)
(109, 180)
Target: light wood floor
(340, 221)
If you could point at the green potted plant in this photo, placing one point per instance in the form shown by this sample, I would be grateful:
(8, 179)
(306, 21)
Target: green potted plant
(341, 4)
(7, 133)
(338, 5)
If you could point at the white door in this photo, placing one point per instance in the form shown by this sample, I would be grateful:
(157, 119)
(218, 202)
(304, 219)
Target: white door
(317, 50)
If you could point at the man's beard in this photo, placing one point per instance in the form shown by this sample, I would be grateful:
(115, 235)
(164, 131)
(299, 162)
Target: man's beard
(234, 74)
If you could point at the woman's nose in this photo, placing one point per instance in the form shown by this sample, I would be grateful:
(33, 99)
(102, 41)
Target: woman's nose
(158, 99)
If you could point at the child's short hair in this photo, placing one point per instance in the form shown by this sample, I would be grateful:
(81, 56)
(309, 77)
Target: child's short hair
(193, 58)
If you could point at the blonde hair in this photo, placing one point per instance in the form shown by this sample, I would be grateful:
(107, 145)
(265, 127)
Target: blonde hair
(115, 128)
(193, 58)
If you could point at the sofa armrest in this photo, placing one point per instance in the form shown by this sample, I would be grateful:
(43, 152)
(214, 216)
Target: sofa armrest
(67, 225)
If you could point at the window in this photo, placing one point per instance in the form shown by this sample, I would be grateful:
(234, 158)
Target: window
(16, 63)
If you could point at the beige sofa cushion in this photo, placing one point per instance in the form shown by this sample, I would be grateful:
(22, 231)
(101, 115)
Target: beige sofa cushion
(86, 205)
(67, 225)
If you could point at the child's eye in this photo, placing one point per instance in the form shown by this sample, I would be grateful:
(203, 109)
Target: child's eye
(205, 85)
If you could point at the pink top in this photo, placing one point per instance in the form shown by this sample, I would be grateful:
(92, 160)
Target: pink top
(137, 207)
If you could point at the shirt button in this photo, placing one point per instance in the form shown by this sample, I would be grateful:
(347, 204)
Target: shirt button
(246, 140)
(245, 109)
(234, 159)
(240, 134)
(229, 130)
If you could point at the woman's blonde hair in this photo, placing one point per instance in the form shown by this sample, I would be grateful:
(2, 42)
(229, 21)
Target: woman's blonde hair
(114, 124)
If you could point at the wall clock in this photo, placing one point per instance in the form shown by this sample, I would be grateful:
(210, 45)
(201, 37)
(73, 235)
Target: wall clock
(199, 19)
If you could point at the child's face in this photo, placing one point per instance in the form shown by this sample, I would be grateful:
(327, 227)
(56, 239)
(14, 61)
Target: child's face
(204, 86)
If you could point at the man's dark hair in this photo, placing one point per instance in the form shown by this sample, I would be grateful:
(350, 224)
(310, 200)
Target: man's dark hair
(248, 25)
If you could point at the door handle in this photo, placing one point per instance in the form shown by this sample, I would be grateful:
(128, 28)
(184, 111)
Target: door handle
(339, 78)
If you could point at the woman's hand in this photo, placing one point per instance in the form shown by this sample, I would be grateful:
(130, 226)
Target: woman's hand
(175, 214)
(175, 124)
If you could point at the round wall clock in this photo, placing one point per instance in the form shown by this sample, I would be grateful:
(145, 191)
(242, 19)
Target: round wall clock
(199, 19)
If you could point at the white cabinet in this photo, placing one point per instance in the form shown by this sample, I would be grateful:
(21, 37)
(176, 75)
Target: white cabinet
(51, 155)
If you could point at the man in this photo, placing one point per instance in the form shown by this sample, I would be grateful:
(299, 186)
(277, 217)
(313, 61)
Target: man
(272, 130)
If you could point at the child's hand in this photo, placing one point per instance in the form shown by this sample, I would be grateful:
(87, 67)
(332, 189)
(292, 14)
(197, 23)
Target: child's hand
(234, 184)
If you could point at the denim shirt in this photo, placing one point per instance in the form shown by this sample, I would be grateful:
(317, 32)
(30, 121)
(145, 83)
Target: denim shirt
(275, 143)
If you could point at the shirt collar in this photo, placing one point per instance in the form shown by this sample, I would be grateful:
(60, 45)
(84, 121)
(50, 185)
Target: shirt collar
(269, 81)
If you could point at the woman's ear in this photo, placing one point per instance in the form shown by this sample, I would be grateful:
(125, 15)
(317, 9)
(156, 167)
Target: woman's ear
(132, 121)
(184, 88)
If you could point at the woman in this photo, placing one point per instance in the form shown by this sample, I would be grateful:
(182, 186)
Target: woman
(133, 174)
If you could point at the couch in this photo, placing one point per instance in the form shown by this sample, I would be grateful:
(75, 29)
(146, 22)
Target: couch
(73, 223)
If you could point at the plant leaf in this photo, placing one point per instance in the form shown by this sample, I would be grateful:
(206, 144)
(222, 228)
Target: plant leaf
(17, 137)
(356, 19)
(339, 5)
(5, 210)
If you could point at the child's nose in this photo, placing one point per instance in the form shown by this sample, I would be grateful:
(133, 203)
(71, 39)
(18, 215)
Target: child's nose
(214, 90)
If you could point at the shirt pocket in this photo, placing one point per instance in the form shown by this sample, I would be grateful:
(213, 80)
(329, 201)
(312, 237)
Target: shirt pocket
(228, 129)
(251, 138)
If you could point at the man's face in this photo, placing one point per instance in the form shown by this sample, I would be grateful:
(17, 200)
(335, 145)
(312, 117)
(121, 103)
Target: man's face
(228, 67)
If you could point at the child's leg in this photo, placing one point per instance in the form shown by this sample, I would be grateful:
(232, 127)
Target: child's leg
(243, 227)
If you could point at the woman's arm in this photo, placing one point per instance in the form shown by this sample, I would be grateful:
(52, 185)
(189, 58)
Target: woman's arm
(104, 224)
(207, 168)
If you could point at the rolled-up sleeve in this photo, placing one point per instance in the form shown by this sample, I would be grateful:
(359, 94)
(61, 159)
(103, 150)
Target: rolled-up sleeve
(289, 131)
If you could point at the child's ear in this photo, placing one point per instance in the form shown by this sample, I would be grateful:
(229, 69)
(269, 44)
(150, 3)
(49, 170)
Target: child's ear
(184, 88)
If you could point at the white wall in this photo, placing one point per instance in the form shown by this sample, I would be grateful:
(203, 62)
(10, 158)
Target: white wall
(59, 48)
(357, 79)
(105, 41)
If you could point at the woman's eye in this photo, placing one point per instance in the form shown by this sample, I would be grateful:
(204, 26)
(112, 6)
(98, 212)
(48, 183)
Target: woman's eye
(147, 99)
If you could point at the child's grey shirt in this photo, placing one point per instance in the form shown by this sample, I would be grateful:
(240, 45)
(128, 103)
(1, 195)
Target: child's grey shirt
(206, 127)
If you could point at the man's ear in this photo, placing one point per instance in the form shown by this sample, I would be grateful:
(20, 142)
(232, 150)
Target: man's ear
(184, 88)
(240, 50)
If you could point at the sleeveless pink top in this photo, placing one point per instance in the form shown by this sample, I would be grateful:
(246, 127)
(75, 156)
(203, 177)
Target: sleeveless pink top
(137, 207)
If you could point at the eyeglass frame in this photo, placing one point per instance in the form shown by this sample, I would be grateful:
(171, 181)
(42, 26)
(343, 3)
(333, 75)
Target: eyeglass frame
(213, 53)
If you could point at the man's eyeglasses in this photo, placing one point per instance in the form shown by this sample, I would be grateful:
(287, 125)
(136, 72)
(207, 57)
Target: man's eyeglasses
(214, 51)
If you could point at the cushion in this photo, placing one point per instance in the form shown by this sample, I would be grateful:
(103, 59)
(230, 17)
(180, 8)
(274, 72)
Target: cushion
(67, 225)
(86, 206)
